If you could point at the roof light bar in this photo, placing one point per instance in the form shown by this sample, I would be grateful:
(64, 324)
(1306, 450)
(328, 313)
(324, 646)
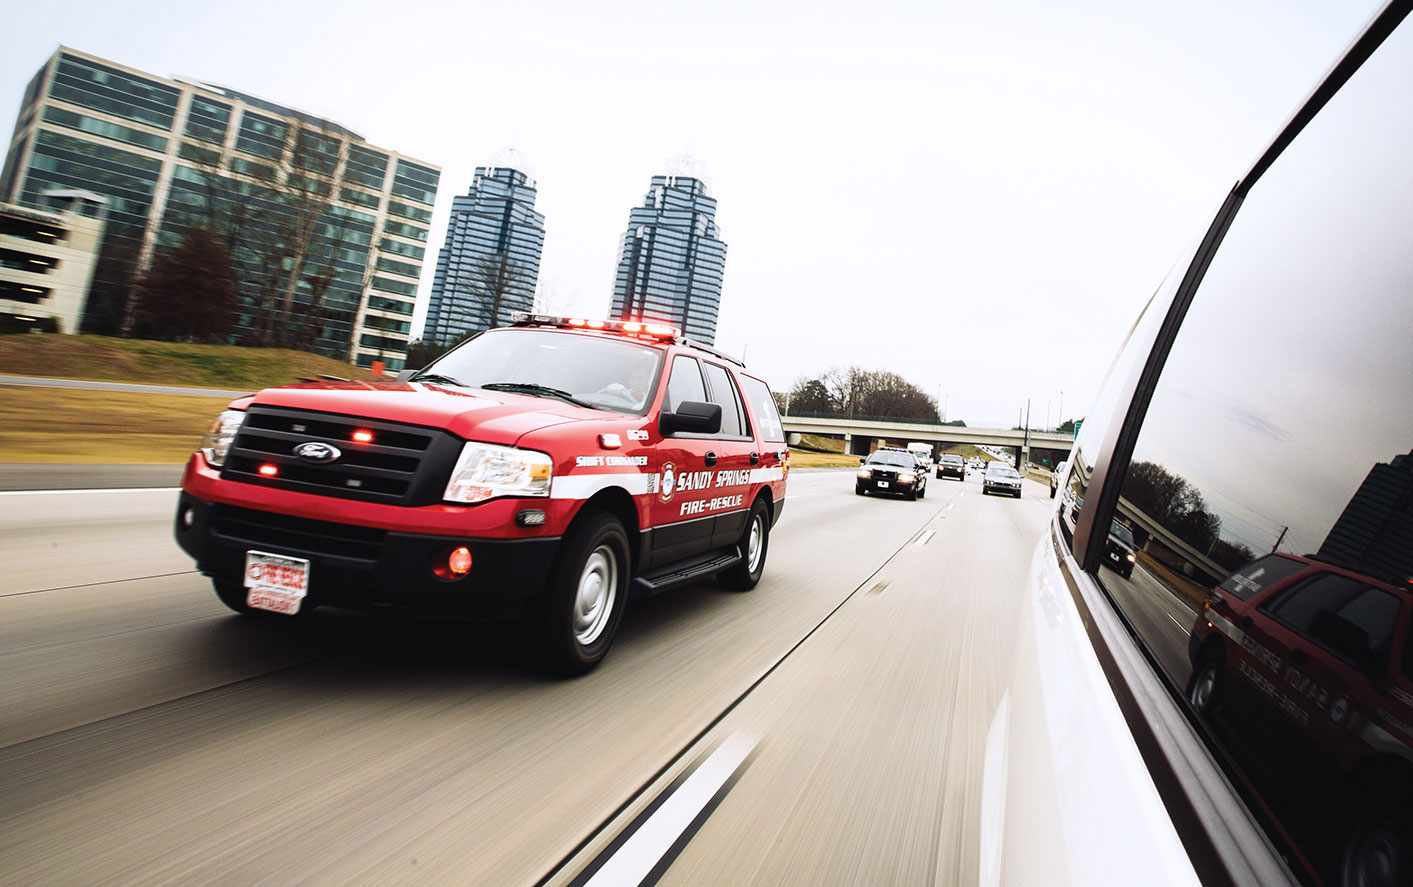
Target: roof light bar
(641, 329)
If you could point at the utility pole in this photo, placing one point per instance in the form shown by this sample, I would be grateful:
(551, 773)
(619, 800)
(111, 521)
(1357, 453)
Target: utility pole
(1284, 530)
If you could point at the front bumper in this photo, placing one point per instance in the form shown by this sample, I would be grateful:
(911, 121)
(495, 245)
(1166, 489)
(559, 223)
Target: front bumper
(883, 485)
(367, 567)
(958, 473)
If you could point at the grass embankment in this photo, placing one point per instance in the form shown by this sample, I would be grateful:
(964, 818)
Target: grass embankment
(102, 359)
(71, 425)
(816, 451)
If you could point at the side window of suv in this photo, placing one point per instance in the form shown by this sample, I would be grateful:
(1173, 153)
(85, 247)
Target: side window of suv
(723, 392)
(684, 384)
(1280, 423)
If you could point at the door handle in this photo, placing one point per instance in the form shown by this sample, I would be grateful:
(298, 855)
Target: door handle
(710, 459)
(755, 458)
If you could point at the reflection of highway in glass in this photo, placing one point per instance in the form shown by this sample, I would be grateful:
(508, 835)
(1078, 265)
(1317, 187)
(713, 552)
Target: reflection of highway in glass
(1162, 618)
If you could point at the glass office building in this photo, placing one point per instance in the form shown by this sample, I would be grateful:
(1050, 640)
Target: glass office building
(672, 259)
(490, 262)
(327, 232)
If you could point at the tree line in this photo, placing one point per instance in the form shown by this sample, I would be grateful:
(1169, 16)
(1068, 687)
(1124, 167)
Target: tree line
(858, 392)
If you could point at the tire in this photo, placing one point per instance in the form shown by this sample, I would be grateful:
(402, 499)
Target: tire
(755, 543)
(859, 490)
(582, 605)
(1204, 688)
(1052, 492)
(922, 490)
(1376, 852)
(912, 493)
(233, 596)
(1017, 494)
(939, 474)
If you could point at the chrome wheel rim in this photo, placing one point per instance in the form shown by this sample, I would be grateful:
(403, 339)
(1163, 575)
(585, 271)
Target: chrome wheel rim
(753, 545)
(594, 598)
(1372, 859)
(1202, 690)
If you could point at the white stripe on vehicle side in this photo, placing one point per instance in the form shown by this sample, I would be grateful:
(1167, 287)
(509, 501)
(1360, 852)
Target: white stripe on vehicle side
(582, 486)
(763, 475)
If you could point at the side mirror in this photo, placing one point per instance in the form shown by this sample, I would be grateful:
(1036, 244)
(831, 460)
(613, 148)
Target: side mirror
(407, 374)
(692, 417)
(863, 460)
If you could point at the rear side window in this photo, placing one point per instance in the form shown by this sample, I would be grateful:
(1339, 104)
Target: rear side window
(763, 405)
(723, 392)
(1280, 425)
(1260, 574)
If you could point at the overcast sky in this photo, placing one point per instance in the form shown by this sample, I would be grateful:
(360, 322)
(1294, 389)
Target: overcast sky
(978, 196)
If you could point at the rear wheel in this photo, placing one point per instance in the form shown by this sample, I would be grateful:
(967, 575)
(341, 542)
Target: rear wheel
(582, 605)
(1204, 688)
(755, 542)
(1375, 854)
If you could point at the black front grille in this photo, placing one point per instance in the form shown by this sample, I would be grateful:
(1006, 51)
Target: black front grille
(884, 475)
(286, 533)
(401, 465)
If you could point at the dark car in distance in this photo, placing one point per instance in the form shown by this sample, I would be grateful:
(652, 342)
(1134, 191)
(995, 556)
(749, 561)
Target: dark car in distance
(951, 466)
(891, 471)
(1119, 548)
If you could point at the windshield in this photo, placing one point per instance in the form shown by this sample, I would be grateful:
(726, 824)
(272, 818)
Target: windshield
(952, 460)
(1001, 471)
(898, 459)
(1121, 533)
(596, 371)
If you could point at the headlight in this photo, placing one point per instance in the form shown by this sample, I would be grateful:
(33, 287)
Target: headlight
(906, 479)
(1130, 557)
(865, 472)
(217, 441)
(485, 471)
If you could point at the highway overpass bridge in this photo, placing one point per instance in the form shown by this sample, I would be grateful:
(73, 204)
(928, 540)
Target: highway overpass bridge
(859, 434)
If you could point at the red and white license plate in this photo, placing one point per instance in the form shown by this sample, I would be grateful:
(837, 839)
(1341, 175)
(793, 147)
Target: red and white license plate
(275, 582)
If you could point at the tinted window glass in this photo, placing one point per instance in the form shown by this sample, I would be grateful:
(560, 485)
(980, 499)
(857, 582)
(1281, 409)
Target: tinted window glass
(1259, 574)
(1280, 423)
(763, 404)
(684, 384)
(724, 392)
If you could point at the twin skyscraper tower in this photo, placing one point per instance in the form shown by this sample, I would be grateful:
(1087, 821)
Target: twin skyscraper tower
(670, 266)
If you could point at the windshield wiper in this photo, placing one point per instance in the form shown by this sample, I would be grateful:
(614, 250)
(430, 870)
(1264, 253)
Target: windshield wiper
(437, 377)
(534, 389)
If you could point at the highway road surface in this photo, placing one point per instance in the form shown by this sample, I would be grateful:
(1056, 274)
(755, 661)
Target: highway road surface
(826, 728)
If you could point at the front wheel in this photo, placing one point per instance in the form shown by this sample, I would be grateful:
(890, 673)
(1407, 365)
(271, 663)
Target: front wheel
(922, 490)
(755, 542)
(582, 605)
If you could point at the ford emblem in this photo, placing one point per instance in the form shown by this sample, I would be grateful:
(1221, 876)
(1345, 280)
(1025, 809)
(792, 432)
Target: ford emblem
(314, 451)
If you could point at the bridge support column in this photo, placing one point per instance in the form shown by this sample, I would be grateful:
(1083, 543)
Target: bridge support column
(857, 445)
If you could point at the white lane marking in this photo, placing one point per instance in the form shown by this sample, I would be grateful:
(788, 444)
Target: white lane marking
(1175, 622)
(922, 540)
(103, 490)
(636, 858)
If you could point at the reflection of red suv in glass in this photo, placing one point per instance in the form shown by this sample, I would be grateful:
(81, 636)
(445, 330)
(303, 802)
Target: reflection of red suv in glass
(1305, 664)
